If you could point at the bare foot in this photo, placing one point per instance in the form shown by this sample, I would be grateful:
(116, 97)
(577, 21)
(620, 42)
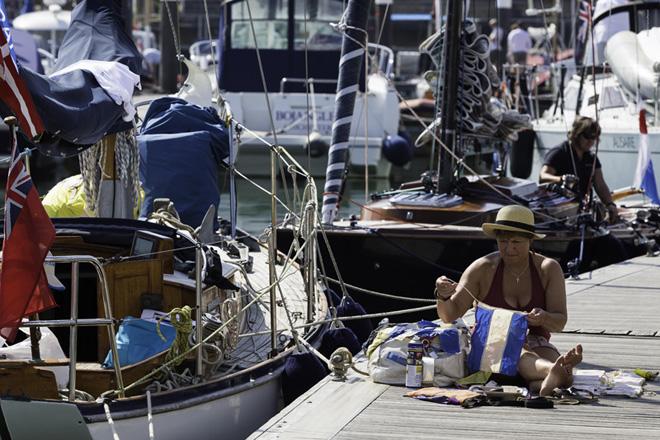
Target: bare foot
(573, 357)
(558, 377)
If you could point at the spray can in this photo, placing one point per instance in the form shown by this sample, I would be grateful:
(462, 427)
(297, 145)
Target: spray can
(414, 363)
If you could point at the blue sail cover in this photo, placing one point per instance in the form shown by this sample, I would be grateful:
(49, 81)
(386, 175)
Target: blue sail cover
(181, 148)
(75, 110)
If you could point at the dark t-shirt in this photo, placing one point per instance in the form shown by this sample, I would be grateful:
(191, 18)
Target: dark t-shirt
(559, 158)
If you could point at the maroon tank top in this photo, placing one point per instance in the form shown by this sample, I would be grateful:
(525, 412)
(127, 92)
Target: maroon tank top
(495, 297)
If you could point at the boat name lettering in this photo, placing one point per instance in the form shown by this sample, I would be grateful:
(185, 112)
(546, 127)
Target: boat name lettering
(624, 143)
(286, 117)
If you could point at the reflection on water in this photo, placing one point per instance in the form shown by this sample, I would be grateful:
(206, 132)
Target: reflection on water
(254, 204)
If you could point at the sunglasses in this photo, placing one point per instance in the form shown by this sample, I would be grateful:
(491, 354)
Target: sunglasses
(588, 137)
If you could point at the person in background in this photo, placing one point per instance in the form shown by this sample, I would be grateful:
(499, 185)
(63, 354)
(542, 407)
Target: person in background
(571, 164)
(495, 37)
(516, 278)
(518, 44)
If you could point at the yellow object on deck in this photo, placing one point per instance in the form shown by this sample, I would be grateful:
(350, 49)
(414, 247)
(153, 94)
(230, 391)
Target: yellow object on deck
(67, 199)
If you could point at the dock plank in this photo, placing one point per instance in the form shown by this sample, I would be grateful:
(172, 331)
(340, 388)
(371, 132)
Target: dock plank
(613, 314)
(303, 419)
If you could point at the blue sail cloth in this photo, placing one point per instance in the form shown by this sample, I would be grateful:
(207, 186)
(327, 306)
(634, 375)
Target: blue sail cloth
(75, 110)
(497, 340)
(181, 147)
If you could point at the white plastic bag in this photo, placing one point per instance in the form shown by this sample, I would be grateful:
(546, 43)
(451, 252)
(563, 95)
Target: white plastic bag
(49, 348)
(446, 343)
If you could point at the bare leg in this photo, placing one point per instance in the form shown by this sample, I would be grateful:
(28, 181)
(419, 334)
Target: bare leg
(533, 367)
(557, 377)
(561, 372)
(544, 375)
(534, 386)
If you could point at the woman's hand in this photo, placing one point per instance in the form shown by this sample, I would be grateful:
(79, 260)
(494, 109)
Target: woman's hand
(536, 317)
(613, 212)
(444, 288)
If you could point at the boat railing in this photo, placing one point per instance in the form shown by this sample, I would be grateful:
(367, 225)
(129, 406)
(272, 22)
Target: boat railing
(74, 322)
(311, 81)
(385, 63)
(385, 59)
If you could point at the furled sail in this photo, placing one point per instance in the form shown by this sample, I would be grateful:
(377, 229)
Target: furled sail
(350, 63)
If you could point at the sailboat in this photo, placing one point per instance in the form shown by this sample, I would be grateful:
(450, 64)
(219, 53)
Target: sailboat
(613, 93)
(407, 237)
(297, 51)
(163, 330)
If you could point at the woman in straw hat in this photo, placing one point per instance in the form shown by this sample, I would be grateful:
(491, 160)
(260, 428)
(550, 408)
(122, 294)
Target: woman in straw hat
(516, 278)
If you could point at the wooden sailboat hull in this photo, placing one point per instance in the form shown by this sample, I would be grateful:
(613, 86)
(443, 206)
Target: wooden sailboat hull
(231, 403)
(405, 259)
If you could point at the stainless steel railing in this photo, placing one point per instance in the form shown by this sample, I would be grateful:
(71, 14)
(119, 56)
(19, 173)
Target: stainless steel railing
(73, 322)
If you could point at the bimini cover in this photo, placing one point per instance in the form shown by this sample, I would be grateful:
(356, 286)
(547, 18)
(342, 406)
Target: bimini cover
(181, 147)
(75, 110)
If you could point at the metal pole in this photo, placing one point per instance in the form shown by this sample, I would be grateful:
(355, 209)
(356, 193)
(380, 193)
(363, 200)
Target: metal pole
(310, 264)
(73, 333)
(449, 78)
(169, 64)
(199, 261)
(272, 253)
(35, 333)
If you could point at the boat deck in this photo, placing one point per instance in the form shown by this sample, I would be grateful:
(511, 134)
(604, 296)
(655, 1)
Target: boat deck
(613, 313)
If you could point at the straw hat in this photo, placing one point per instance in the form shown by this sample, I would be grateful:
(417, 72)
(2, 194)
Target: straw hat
(512, 218)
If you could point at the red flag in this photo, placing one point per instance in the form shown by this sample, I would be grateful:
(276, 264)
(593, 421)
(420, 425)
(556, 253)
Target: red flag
(29, 234)
(16, 95)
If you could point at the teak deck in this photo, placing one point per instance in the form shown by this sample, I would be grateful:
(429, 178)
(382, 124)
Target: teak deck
(614, 313)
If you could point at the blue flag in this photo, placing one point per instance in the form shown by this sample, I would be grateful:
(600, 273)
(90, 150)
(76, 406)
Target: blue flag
(644, 175)
(497, 341)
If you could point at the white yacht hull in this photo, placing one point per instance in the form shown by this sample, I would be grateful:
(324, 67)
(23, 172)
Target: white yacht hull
(233, 415)
(372, 122)
(617, 150)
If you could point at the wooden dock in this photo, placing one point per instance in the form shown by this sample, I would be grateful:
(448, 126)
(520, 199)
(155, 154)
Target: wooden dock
(614, 313)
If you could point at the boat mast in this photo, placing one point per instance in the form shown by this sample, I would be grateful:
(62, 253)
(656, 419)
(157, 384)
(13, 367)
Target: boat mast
(449, 96)
(354, 42)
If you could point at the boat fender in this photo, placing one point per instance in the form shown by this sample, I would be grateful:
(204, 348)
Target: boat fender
(301, 372)
(337, 337)
(316, 146)
(361, 327)
(522, 154)
(397, 149)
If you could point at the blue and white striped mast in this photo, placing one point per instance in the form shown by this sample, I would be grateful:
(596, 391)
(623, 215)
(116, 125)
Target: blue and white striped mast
(352, 25)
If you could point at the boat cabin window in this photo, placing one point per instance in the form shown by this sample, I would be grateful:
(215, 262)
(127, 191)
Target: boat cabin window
(270, 25)
(611, 97)
(317, 32)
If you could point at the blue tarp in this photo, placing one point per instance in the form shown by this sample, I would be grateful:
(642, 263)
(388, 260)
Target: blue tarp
(98, 32)
(181, 148)
(138, 339)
